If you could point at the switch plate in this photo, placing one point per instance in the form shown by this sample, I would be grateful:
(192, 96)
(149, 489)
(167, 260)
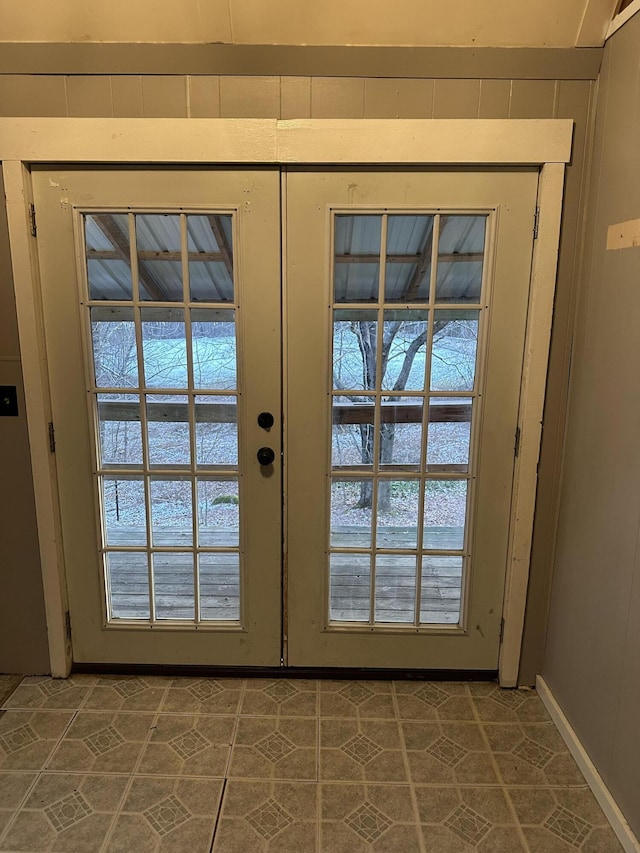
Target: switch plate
(8, 401)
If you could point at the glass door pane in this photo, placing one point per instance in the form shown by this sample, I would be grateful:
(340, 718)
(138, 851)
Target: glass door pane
(406, 314)
(165, 399)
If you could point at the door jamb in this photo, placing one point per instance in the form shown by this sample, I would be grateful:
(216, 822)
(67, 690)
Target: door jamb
(545, 143)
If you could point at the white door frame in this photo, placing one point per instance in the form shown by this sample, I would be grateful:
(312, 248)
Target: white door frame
(545, 143)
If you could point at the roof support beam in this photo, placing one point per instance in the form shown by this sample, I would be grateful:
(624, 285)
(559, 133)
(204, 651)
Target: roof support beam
(122, 251)
(226, 250)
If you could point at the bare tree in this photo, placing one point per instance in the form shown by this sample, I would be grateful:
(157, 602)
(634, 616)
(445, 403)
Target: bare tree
(400, 339)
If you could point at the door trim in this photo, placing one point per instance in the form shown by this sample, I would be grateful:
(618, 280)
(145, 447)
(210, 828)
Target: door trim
(519, 142)
(445, 142)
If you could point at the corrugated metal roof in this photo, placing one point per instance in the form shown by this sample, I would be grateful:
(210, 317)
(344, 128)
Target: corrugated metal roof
(357, 253)
(357, 235)
(160, 278)
(410, 236)
(460, 281)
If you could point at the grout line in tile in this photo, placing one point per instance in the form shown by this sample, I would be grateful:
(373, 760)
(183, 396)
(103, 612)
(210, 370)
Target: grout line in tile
(218, 814)
(493, 785)
(92, 687)
(318, 749)
(389, 783)
(386, 783)
(163, 775)
(234, 735)
(19, 808)
(131, 775)
(377, 784)
(146, 742)
(232, 745)
(254, 715)
(407, 769)
(318, 834)
(244, 686)
(70, 772)
(74, 714)
(165, 694)
(275, 780)
(319, 814)
(490, 723)
(520, 831)
(25, 708)
(141, 711)
(362, 717)
(125, 794)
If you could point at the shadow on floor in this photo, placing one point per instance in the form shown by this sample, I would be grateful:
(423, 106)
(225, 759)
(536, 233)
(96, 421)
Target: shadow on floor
(8, 684)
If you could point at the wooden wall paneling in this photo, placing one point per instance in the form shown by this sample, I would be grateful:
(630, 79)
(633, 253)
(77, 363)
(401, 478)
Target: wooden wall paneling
(337, 97)
(126, 91)
(250, 97)
(456, 98)
(386, 97)
(295, 97)
(204, 97)
(89, 96)
(164, 97)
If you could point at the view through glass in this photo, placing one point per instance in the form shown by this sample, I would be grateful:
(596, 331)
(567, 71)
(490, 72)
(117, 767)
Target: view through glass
(161, 317)
(407, 308)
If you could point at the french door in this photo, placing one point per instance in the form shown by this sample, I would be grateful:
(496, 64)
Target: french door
(392, 413)
(407, 295)
(161, 301)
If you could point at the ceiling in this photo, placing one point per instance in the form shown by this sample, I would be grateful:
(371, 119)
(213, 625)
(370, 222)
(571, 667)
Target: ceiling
(463, 23)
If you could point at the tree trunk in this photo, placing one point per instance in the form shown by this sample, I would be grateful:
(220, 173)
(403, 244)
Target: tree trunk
(387, 439)
(367, 341)
(366, 442)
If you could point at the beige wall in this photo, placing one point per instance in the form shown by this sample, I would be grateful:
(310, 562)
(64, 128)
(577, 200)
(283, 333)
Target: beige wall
(331, 22)
(358, 97)
(592, 660)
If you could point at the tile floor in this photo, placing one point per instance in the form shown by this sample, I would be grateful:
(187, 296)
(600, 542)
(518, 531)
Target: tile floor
(236, 766)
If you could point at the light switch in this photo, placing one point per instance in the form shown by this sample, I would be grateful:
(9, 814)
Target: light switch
(8, 401)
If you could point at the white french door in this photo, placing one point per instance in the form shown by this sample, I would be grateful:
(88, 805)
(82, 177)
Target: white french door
(404, 303)
(161, 298)
(407, 295)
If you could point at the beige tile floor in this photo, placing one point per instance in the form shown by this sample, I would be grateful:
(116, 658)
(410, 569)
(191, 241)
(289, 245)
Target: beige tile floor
(235, 766)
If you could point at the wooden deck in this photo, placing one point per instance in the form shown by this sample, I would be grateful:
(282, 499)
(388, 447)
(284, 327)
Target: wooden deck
(350, 582)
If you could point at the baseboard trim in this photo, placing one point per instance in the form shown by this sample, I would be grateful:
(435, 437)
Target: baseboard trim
(351, 673)
(602, 794)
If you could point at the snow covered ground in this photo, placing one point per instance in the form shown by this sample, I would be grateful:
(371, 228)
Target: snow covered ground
(214, 369)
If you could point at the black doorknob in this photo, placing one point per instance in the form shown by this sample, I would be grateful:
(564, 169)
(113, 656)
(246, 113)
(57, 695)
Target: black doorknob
(265, 420)
(265, 456)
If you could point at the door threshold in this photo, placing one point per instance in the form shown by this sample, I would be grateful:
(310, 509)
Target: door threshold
(320, 672)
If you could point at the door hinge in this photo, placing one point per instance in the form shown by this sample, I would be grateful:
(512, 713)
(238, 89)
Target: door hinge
(516, 446)
(67, 625)
(32, 220)
(501, 629)
(52, 439)
(536, 221)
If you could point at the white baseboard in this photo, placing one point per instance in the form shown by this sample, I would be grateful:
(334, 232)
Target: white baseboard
(600, 791)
